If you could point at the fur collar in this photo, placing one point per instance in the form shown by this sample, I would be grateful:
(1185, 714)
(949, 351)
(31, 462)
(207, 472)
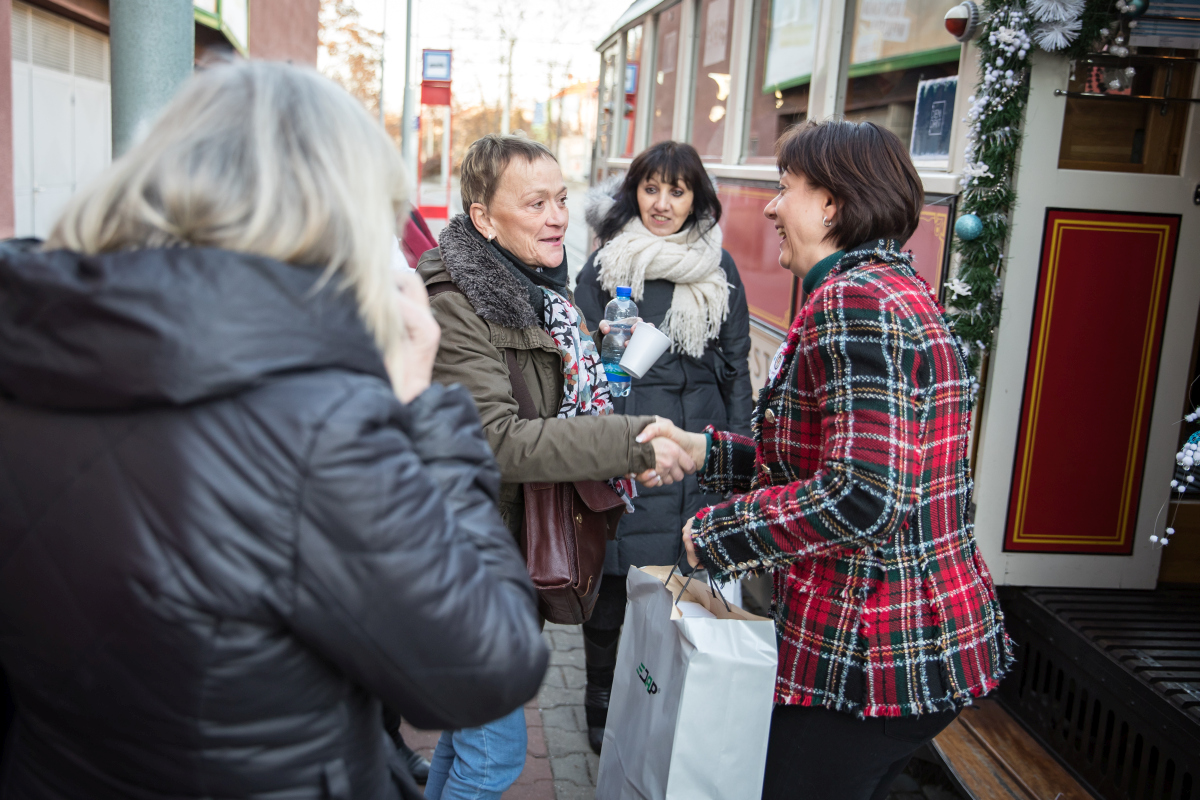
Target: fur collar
(491, 288)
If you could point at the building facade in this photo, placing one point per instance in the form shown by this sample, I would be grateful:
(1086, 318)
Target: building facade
(55, 102)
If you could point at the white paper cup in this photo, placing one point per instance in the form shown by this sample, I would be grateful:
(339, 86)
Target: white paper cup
(645, 347)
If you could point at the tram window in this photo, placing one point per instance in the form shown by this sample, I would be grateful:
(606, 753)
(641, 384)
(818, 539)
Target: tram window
(712, 78)
(610, 84)
(666, 56)
(1124, 135)
(784, 42)
(889, 98)
(896, 44)
(633, 64)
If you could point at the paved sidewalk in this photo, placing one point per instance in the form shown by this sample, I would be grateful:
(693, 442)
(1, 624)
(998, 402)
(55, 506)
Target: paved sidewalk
(559, 765)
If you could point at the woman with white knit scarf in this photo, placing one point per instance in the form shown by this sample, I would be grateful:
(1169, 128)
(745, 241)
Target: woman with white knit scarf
(658, 234)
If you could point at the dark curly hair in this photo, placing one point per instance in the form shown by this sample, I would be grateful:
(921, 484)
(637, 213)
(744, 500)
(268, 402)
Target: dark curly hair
(673, 162)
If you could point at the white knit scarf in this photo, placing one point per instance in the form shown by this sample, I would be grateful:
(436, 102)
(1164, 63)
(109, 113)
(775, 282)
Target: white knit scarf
(688, 259)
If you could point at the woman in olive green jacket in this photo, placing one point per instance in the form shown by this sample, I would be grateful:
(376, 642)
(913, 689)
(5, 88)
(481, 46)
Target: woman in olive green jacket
(506, 262)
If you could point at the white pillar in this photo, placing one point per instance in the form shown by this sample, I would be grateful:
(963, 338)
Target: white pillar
(835, 36)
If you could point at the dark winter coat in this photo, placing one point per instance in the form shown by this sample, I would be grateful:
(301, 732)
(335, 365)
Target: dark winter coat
(692, 393)
(223, 541)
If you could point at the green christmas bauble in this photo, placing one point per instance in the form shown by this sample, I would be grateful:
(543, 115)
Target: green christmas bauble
(968, 227)
(1136, 8)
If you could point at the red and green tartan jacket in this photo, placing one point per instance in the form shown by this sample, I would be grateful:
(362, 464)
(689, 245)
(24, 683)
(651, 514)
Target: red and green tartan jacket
(855, 493)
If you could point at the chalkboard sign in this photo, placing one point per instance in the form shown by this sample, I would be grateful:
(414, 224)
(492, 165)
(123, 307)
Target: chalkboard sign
(933, 121)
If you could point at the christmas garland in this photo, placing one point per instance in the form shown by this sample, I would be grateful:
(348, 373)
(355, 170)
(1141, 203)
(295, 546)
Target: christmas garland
(997, 110)
(993, 139)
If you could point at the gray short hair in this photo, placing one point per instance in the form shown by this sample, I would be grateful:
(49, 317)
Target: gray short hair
(486, 160)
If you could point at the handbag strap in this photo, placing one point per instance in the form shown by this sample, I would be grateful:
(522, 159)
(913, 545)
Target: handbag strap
(526, 408)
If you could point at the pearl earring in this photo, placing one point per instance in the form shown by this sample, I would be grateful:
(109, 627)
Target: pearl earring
(491, 237)
(826, 222)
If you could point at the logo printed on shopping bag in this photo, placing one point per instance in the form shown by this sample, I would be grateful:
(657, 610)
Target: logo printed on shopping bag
(647, 681)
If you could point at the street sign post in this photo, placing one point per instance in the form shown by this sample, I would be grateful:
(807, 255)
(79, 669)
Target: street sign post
(433, 201)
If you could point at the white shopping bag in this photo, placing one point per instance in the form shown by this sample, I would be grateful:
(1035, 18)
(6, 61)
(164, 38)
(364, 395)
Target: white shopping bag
(692, 696)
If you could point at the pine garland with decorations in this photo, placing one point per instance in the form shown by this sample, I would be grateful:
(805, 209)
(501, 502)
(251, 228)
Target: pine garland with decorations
(997, 110)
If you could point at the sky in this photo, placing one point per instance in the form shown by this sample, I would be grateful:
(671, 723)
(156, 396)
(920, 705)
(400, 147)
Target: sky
(556, 37)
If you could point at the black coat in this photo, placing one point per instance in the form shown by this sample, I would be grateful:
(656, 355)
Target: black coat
(223, 541)
(693, 393)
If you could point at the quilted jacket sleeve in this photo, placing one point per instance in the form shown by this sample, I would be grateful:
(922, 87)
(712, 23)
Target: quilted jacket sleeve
(864, 363)
(406, 577)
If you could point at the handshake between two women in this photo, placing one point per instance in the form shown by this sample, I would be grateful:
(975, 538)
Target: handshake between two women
(676, 453)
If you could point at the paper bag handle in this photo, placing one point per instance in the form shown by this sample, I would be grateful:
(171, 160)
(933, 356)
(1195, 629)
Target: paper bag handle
(712, 584)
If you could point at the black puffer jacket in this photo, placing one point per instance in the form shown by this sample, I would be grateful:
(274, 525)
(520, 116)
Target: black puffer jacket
(223, 541)
(687, 391)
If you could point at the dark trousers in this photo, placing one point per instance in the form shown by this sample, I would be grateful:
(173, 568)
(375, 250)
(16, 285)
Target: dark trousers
(818, 754)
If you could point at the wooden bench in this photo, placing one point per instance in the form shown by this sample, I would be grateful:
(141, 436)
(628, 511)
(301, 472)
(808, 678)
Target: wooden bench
(993, 758)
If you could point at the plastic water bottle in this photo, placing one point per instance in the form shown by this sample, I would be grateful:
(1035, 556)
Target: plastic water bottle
(620, 313)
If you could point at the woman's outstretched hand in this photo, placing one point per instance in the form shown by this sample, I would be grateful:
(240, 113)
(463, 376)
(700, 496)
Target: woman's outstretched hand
(411, 364)
(671, 463)
(689, 545)
(694, 444)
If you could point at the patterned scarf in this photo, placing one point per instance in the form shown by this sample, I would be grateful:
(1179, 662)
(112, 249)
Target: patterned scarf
(585, 389)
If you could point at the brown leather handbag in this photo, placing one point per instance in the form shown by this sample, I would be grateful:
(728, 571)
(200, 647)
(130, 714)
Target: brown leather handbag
(566, 524)
(566, 527)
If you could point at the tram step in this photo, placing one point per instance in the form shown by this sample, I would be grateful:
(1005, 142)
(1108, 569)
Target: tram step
(993, 758)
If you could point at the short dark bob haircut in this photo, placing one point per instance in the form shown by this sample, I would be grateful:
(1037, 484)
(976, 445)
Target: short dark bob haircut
(672, 162)
(867, 170)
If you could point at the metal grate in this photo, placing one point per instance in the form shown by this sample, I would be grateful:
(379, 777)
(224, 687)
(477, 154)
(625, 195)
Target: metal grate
(1109, 680)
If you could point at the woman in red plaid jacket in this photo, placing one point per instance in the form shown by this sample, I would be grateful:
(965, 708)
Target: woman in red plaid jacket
(855, 491)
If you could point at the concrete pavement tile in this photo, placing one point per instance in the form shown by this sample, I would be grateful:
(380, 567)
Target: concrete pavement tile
(573, 657)
(565, 790)
(561, 717)
(550, 696)
(573, 678)
(571, 767)
(554, 677)
(593, 766)
(564, 742)
(537, 790)
(536, 747)
(566, 641)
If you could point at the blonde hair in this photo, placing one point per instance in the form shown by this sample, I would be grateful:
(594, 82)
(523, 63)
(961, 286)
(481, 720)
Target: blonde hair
(261, 158)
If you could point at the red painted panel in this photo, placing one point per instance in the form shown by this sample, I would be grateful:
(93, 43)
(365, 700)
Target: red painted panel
(751, 239)
(1089, 384)
(928, 245)
(435, 93)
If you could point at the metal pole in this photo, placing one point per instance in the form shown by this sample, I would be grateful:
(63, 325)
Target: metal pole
(408, 131)
(153, 46)
(382, 61)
